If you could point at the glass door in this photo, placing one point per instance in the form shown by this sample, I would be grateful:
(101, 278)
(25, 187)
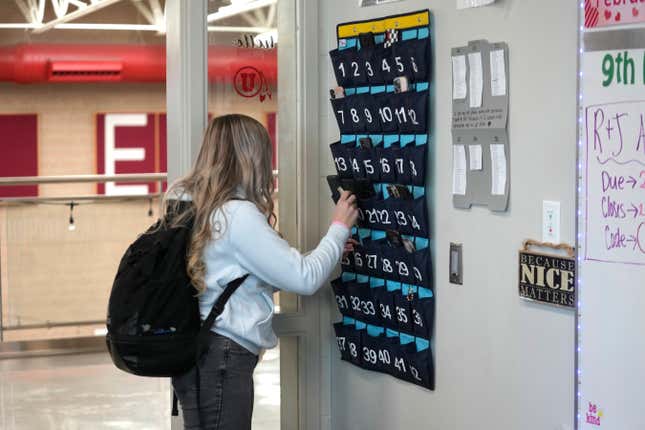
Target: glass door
(254, 67)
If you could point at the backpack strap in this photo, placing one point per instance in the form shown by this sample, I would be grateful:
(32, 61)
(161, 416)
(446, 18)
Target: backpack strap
(218, 308)
(202, 337)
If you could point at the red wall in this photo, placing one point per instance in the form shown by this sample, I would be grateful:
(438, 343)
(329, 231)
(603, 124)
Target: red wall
(19, 152)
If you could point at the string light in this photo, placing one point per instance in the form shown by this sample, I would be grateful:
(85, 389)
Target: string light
(71, 226)
(579, 235)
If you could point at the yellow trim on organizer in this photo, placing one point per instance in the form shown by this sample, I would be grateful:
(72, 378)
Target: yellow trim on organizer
(379, 26)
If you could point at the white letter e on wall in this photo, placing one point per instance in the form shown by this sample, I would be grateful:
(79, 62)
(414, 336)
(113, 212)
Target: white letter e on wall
(114, 154)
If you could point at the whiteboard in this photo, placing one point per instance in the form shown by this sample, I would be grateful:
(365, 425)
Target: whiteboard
(611, 233)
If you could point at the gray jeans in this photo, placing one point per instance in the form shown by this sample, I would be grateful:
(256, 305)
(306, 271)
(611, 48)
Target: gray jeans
(226, 388)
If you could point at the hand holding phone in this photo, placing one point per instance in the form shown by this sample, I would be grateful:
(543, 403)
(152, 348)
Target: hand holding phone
(346, 211)
(335, 187)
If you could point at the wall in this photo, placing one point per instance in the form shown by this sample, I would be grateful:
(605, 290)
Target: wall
(41, 277)
(501, 363)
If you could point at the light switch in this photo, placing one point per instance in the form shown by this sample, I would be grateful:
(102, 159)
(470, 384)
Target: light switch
(551, 221)
(456, 264)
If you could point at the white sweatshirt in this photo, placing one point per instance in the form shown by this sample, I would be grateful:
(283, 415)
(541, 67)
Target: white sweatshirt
(243, 242)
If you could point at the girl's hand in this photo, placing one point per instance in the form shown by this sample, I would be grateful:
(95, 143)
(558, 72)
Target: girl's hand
(346, 212)
(349, 245)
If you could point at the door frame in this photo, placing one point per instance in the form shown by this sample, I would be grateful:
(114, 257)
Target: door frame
(299, 171)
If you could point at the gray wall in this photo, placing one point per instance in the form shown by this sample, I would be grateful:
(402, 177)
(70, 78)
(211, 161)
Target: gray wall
(501, 363)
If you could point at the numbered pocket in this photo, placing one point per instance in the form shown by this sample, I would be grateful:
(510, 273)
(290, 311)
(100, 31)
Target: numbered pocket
(385, 63)
(345, 124)
(349, 342)
(346, 67)
(384, 354)
(385, 307)
(422, 268)
(385, 158)
(411, 215)
(403, 312)
(362, 304)
(369, 60)
(368, 110)
(410, 112)
(414, 56)
(376, 213)
(342, 159)
(422, 316)
(341, 340)
(342, 300)
(385, 112)
(401, 360)
(413, 169)
(369, 352)
(347, 262)
(420, 369)
(371, 254)
(367, 160)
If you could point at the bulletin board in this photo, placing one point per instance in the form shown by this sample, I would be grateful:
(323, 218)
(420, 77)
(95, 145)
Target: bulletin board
(385, 292)
(481, 158)
(611, 229)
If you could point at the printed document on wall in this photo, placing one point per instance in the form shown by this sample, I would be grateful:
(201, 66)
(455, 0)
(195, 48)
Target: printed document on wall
(465, 4)
(459, 77)
(497, 73)
(475, 153)
(459, 170)
(476, 81)
(498, 174)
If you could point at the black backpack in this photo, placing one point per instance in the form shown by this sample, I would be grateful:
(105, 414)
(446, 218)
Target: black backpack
(153, 320)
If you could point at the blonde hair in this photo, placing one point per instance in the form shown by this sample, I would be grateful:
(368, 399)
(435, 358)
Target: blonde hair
(235, 156)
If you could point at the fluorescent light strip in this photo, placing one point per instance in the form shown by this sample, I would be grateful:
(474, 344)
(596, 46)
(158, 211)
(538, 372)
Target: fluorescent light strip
(82, 11)
(236, 9)
(231, 29)
(133, 27)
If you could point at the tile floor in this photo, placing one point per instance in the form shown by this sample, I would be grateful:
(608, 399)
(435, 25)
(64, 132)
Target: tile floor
(75, 392)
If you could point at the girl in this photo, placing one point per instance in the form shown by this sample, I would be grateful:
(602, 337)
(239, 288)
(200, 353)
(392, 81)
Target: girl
(231, 187)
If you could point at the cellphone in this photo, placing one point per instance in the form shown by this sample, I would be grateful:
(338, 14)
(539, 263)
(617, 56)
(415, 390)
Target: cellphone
(335, 187)
(337, 93)
(394, 238)
(366, 40)
(361, 188)
(401, 84)
(399, 192)
(365, 142)
(408, 245)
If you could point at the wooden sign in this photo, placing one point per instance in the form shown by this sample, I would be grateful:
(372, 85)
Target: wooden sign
(548, 278)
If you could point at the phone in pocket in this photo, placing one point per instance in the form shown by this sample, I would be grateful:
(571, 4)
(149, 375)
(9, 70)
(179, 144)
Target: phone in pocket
(399, 191)
(401, 84)
(366, 40)
(337, 93)
(335, 187)
(365, 142)
(362, 188)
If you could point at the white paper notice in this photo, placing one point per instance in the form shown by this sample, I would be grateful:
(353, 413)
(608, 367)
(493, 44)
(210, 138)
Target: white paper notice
(497, 73)
(476, 81)
(459, 77)
(459, 170)
(465, 4)
(498, 169)
(475, 153)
